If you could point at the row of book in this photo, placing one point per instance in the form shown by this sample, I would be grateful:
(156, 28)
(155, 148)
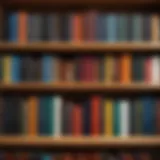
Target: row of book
(122, 155)
(86, 26)
(55, 115)
(123, 68)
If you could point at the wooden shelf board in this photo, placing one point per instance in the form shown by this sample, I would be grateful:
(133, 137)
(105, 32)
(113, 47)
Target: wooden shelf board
(143, 4)
(101, 141)
(68, 47)
(79, 87)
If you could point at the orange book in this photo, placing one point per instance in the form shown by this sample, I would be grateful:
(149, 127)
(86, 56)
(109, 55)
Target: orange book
(77, 120)
(23, 156)
(22, 27)
(68, 156)
(125, 76)
(95, 115)
(77, 30)
(32, 115)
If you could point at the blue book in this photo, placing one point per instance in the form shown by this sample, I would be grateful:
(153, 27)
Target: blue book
(46, 157)
(86, 119)
(148, 116)
(101, 32)
(111, 21)
(13, 27)
(13, 37)
(47, 68)
(15, 68)
(45, 115)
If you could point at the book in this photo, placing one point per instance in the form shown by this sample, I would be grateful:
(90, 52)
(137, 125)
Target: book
(57, 103)
(95, 115)
(111, 20)
(126, 63)
(108, 111)
(124, 118)
(47, 68)
(22, 26)
(45, 115)
(33, 103)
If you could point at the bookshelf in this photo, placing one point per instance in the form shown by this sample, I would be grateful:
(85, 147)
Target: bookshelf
(79, 87)
(68, 47)
(78, 142)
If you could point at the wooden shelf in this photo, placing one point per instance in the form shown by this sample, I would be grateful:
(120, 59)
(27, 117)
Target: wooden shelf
(62, 142)
(79, 87)
(68, 47)
(107, 4)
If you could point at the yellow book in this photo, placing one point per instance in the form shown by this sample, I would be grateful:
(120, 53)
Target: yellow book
(7, 69)
(108, 120)
(109, 68)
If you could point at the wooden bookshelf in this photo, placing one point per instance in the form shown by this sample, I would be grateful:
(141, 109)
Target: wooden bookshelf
(79, 87)
(62, 142)
(67, 47)
(106, 4)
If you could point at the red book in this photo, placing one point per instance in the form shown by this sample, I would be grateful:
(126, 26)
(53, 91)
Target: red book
(148, 69)
(77, 120)
(95, 115)
(158, 116)
(127, 156)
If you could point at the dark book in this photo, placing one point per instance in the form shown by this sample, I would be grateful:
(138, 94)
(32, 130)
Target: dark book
(65, 27)
(67, 118)
(27, 68)
(138, 68)
(12, 115)
(86, 117)
(2, 22)
(37, 68)
(146, 27)
(35, 27)
(101, 25)
(53, 27)
(149, 114)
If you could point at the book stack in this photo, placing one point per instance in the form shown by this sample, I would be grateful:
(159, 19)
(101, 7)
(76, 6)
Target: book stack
(79, 26)
(108, 68)
(123, 155)
(94, 115)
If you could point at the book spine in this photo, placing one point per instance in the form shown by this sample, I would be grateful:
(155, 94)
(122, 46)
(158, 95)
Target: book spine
(108, 111)
(58, 102)
(124, 111)
(15, 68)
(95, 115)
(126, 68)
(33, 103)
(155, 69)
(137, 27)
(47, 68)
(22, 26)
(117, 117)
(77, 120)
(111, 20)
(7, 69)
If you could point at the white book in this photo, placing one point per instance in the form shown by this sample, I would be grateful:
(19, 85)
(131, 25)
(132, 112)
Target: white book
(57, 115)
(155, 71)
(124, 117)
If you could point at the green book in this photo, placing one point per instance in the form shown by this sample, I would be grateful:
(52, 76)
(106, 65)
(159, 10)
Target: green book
(138, 68)
(137, 29)
(116, 116)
